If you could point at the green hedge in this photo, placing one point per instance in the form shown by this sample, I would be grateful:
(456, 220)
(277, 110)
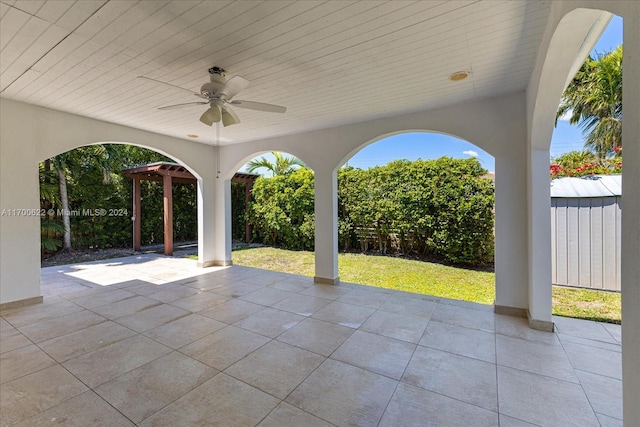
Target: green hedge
(441, 208)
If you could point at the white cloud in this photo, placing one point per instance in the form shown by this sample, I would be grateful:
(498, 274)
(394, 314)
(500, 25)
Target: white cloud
(470, 153)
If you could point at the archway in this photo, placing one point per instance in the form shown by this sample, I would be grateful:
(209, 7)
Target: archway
(96, 196)
(279, 212)
(402, 208)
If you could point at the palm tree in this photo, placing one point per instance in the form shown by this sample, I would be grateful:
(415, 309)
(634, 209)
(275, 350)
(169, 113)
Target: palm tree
(60, 164)
(282, 165)
(594, 100)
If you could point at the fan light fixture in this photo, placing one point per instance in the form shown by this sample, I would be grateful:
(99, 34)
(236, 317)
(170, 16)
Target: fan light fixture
(211, 116)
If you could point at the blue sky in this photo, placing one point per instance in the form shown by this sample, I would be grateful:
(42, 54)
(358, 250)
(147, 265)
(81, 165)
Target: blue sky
(412, 146)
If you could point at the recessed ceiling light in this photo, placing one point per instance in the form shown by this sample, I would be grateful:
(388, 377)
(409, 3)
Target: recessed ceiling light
(459, 75)
(192, 135)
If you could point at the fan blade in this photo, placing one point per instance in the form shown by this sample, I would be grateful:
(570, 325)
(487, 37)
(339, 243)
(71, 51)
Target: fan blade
(260, 106)
(211, 116)
(229, 117)
(173, 86)
(233, 86)
(187, 104)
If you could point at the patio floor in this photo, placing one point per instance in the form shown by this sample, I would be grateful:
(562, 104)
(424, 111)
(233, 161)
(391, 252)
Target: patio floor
(155, 341)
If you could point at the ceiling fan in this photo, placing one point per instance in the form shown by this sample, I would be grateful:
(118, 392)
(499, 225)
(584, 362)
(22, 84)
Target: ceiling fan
(219, 94)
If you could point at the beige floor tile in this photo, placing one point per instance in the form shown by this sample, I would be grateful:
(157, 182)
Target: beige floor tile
(63, 325)
(344, 395)
(382, 355)
(270, 322)
(125, 307)
(11, 339)
(232, 311)
(410, 305)
(614, 330)
(84, 341)
(224, 347)
(170, 293)
(143, 391)
(152, 317)
(200, 301)
(366, 297)
(86, 292)
(459, 340)
(294, 284)
(221, 401)
(351, 316)
(286, 415)
(266, 296)
(582, 329)
(415, 407)
(534, 357)
(102, 365)
(519, 327)
(87, 409)
(184, 331)
(330, 292)
(22, 361)
(304, 305)
(394, 325)
(589, 343)
(236, 289)
(96, 299)
(465, 317)
(317, 336)
(594, 360)
(543, 400)
(506, 421)
(4, 325)
(467, 304)
(604, 393)
(146, 287)
(606, 421)
(41, 313)
(276, 368)
(34, 393)
(470, 380)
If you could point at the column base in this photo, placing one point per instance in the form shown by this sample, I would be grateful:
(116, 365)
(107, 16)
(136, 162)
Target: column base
(21, 303)
(510, 311)
(326, 280)
(540, 325)
(214, 263)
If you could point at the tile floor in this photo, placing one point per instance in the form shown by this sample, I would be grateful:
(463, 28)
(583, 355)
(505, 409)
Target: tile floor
(154, 341)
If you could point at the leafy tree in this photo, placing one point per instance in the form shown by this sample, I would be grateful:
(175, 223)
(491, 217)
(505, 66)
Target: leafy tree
(282, 165)
(594, 98)
(582, 163)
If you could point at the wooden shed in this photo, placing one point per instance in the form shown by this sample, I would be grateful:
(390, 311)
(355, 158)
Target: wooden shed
(585, 231)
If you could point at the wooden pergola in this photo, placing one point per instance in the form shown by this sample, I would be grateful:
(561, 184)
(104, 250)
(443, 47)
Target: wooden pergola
(170, 173)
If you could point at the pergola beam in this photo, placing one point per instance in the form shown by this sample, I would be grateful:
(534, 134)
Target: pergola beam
(168, 174)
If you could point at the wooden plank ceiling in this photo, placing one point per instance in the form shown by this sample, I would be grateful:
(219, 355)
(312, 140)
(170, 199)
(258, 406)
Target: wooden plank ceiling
(328, 62)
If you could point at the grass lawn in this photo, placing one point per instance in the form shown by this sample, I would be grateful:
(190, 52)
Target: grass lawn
(429, 278)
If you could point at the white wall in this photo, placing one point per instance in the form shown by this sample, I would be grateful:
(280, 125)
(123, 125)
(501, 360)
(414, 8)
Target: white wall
(30, 134)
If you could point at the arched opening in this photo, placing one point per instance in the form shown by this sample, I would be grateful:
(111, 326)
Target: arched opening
(87, 204)
(272, 213)
(586, 175)
(425, 202)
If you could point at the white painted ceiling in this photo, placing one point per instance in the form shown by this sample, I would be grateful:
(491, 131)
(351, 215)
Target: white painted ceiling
(328, 62)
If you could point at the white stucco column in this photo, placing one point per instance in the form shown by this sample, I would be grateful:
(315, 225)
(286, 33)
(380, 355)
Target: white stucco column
(222, 221)
(326, 218)
(19, 227)
(511, 231)
(206, 213)
(631, 219)
(539, 232)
